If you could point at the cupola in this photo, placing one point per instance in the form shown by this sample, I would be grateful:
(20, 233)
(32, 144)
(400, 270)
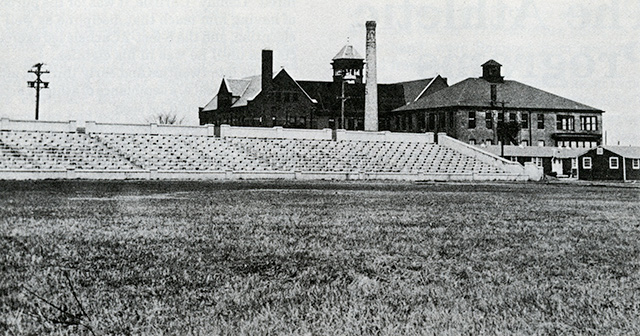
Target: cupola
(491, 72)
(348, 65)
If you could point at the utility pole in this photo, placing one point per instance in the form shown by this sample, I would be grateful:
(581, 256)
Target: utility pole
(504, 116)
(38, 84)
(342, 100)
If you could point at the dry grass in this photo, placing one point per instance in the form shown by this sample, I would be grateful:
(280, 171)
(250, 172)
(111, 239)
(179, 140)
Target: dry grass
(318, 258)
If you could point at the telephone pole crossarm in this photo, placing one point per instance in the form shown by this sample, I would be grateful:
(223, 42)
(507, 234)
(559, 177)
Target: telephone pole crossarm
(38, 84)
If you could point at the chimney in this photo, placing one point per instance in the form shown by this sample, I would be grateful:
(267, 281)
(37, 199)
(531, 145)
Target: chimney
(267, 69)
(494, 94)
(371, 87)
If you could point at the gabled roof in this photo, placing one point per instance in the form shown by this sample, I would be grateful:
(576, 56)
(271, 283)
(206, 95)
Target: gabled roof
(211, 105)
(476, 92)
(632, 152)
(246, 89)
(251, 91)
(347, 52)
(536, 151)
(413, 89)
(237, 86)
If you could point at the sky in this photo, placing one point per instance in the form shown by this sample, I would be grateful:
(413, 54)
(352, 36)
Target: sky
(125, 60)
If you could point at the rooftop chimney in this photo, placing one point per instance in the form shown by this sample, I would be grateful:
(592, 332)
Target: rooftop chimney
(267, 70)
(494, 94)
(371, 87)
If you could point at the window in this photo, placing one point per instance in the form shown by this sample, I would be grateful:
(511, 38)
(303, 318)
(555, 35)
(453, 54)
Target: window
(589, 123)
(472, 119)
(599, 151)
(488, 118)
(565, 123)
(586, 162)
(500, 117)
(525, 120)
(613, 163)
(472, 141)
(441, 121)
(512, 117)
(574, 163)
(540, 143)
(635, 163)
(450, 119)
(540, 121)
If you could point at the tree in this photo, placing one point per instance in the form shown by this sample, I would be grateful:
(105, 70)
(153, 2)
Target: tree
(166, 118)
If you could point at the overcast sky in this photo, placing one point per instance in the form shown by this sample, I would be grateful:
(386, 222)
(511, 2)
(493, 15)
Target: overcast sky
(123, 60)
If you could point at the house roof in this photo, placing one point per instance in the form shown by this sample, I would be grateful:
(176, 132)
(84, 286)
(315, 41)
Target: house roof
(632, 152)
(476, 92)
(347, 52)
(536, 151)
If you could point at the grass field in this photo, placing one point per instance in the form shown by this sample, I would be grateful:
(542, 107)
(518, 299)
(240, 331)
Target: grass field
(318, 258)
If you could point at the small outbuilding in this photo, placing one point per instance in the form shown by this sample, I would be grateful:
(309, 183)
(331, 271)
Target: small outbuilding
(610, 163)
(555, 161)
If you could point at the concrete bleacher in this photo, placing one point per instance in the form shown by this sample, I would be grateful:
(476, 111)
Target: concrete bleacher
(68, 150)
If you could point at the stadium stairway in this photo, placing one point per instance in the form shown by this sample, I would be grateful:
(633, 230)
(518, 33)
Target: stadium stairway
(115, 155)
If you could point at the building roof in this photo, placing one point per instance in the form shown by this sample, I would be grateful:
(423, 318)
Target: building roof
(347, 52)
(476, 92)
(244, 90)
(413, 90)
(632, 152)
(212, 104)
(491, 62)
(250, 92)
(536, 151)
(237, 86)
(390, 96)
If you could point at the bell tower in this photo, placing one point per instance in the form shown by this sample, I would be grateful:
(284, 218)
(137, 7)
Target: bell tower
(348, 65)
(491, 72)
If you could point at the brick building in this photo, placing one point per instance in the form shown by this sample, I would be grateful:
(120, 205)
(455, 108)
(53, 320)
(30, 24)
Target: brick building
(471, 110)
(277, 99)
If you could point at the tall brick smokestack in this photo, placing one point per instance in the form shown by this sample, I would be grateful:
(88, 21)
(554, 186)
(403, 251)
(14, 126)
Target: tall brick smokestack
(371, 88)
(267, 70)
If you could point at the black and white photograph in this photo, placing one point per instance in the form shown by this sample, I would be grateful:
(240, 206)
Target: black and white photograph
(254, 167)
